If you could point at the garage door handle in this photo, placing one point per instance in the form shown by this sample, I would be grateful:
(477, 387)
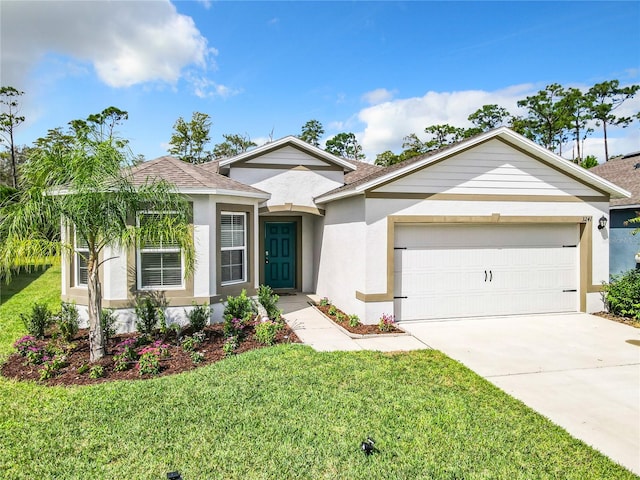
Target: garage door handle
(485, 275)
(490, 276)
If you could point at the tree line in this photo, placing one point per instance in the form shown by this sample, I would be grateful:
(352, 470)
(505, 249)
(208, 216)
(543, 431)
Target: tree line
(554, 117)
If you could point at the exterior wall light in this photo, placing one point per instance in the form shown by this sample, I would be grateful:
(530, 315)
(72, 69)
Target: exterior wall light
(602, 222)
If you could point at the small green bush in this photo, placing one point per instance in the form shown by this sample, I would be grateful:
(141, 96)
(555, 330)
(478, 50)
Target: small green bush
(149, 363)
(387, 323)
(51, 367)
(38, 320)
(196, 357)
(354, 320)
(192, 343)
(324, 302)
(269, 301)
(332, 310)
(97, 371)
(149, 315)
(623, 294)
(199, 316)
(265, 332)
(237, 312)
(84, 368)
(108, 323)
(68, 320)
(230, 345)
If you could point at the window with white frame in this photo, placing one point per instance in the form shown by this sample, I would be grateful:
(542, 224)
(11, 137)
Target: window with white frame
(160, 263)
(81, 254)
(233, 247)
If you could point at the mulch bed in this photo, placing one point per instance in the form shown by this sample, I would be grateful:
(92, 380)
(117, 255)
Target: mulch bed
(616, 318)
(179, 361)
(360, 329)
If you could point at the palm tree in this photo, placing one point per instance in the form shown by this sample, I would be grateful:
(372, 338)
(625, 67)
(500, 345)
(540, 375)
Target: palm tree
(88, 187)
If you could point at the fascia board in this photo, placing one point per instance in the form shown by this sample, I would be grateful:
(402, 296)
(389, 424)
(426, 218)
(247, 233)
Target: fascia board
(318, 152)
(562, 163)
(511, 137)
(624, 207)
(196, 191)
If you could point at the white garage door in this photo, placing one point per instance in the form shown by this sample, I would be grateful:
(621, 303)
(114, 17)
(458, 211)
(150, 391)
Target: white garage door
(481, 270)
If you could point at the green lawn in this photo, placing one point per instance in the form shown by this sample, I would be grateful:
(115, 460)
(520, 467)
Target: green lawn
(283, 412)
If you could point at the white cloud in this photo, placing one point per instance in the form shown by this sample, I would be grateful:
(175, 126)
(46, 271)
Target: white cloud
(377, 96)
(386, 124)
(203, 87)
(205, 3)
(126, 42)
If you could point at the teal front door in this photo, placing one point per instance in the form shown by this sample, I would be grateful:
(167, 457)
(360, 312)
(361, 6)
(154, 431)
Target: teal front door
(280, 254)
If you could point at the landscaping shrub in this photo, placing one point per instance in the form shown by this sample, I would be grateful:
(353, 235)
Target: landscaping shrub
(125, 354)
(199, 317)
(269, 301)
(38, 320)
(149, 363)
(387, 322)
(68, 321)
(623, 294)
(23, 344)
(230, 345)
(196, 357)
(51, 367)
(332, 310)
(324, 302)
(237, 312)
(97, 371)
(265, 332)
(190, 344)
(354, 320)
(149, 315)
(108, 323)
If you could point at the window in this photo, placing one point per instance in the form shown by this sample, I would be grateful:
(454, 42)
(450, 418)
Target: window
(159, 262)
(233, 248)
(81, 254)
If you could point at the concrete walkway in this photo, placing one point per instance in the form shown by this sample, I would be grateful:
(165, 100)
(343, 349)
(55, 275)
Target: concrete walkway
(320, 333)
(580, 371)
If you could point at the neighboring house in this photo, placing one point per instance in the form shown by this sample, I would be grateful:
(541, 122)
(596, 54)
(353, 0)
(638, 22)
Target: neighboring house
(625, 172)
(490, 226)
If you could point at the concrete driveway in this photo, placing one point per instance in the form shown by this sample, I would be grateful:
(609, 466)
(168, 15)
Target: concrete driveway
(578, 370)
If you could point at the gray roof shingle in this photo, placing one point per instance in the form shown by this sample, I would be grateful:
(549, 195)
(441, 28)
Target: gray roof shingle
(186, 176)
(624, 172)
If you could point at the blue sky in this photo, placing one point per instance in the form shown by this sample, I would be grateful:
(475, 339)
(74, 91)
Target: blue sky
(379, 69)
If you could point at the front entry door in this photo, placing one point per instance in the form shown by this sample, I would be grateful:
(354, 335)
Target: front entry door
(280, 254)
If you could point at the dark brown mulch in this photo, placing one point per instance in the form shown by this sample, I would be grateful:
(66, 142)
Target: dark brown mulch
(616, 318)
(179, 361)
(360, 329)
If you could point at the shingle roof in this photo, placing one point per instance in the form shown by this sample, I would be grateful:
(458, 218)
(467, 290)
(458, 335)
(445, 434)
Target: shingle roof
(212, 167)
(186, 176)
(503, 133)
(363, 169)
(624, 172)
(368, 173)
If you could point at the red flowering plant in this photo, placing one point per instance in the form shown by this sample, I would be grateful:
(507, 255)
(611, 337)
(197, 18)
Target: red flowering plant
(387, 322)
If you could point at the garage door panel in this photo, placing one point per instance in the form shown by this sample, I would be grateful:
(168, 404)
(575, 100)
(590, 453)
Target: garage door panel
(499, 271)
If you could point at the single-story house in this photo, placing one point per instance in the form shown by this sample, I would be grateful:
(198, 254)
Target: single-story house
(492, 225)
(624, 248)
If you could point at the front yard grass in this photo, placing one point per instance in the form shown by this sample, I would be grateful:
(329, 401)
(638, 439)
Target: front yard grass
(285, 412)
